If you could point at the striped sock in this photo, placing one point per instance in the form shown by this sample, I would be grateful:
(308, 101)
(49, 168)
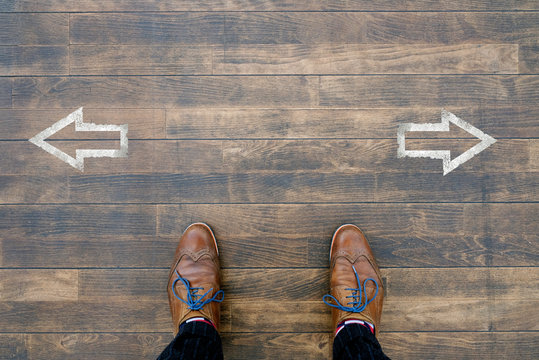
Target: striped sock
(201, 319)
(342, 324)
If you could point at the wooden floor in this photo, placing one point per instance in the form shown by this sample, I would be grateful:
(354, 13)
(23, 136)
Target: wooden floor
(274, 122)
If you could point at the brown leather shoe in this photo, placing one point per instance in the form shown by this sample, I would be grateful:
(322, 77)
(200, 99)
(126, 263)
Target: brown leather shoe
(355, 294)
(193, 281)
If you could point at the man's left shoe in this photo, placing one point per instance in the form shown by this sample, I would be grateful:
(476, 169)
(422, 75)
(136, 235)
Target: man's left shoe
(194, 279)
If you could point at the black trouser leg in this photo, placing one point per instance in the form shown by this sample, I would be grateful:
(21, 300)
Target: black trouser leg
(195, 341)
(356, 342)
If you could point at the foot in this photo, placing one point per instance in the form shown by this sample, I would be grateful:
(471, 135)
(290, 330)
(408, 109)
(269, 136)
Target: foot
(356, 284)
(193, 281)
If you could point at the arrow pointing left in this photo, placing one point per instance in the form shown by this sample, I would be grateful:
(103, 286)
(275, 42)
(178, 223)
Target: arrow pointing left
(78, 162)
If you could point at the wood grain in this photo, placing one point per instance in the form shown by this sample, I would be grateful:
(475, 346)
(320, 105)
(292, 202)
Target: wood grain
(140, 60)
(39, 285)
(83, 345)
(5, 93)
(265, 158)
(416, 315)
(50, 221)
(407, 345)
(165, 92)
(218, 123)
(528, 58)
(145, 316)
(423, 235)
(34, 29)
(273, 121)
(13, 346)
(463, 345)
(366, 59)
(149, 29)
(262, 5)
(302, 188)
(379, 91)
(429, 284)
(33, 189)
(381, 28)
(22, 124)
(33, 60)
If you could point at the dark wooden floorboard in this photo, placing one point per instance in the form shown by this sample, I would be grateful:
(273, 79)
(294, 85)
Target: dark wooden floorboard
(165, 92)
(37, 60)
(418, 235)
(378, 28)
(513, 121)
(262, 5)
(366, 59)
(5, 92)
(274, 121)
(528, 59)
(34, 29)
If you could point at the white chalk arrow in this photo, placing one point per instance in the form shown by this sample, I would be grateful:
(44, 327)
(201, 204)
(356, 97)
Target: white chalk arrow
(445, 155)
(81, 154)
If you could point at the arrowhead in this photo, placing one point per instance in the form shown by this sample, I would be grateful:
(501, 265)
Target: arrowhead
(39, 139)
(486, 141)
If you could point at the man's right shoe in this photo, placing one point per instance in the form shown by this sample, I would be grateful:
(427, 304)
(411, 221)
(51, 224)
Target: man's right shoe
(356, 284)
(194, 278)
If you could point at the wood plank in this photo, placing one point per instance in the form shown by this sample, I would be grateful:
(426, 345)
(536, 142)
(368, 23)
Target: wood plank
(409, 249)
(51, 221)
(277, 316)
(39, 285)
(477, 216)
(165, 92)
(33, 189)
(277, 346)
(140, 60)
(5, 92)
(13, 346)
(295, 158)
(81, 251)
(398, 315)
(462, 283)
(77, 316)
(33, 60)
(381, 28)
(442, 91)
(238, 284)
(23, 124)
(461, 345)
(405, 345)
(430, 284)
(149, 29)
(366, 59)
(409, 235)
(34, 29)
(112, 346)
(216, 123)
(257, 5)
(284, 188)
(528, 58)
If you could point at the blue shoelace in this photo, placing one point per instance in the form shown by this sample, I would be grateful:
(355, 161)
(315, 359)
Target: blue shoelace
(356, 305)
(194, 299)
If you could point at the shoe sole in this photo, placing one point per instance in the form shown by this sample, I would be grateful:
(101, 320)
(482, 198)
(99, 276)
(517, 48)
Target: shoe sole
(210, 230)
(335, 234)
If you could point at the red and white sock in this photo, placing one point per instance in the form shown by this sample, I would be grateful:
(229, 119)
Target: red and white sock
(342, 324)
(201, 319)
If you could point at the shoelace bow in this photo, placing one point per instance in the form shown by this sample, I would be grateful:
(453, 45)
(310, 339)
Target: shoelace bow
(357, 305)
(194, 299)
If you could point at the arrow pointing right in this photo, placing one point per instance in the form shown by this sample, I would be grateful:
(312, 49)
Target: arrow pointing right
(445, 155)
